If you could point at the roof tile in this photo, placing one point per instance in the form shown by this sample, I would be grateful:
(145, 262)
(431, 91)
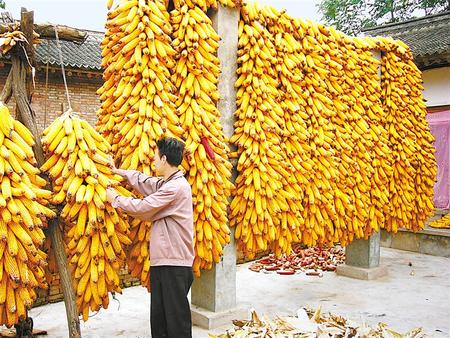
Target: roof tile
(428, 35)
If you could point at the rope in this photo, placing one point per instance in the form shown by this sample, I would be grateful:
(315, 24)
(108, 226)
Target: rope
(46, 96)
(33, 70)
(62, 67)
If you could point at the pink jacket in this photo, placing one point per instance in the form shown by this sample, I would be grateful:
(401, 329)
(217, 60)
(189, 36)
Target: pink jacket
(168, 204)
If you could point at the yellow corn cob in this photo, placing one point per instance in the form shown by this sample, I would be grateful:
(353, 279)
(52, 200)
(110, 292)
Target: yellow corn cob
(80, 178)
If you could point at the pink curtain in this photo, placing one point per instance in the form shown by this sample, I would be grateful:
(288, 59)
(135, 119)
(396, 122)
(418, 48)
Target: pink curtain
(440, 128)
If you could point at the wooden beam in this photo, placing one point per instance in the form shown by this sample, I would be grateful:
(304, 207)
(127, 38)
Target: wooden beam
(46, 30)
(64, 32)
(78, 72)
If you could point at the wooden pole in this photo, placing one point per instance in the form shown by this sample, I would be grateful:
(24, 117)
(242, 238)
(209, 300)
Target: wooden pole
(26, 26)
(7, 89)
(25, 113)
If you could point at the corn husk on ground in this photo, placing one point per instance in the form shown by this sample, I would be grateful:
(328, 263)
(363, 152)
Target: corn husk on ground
(137, 99)
(23, 215)
(95, 233)
(413, 159)
(195, 76)
(332, 133)
(311, 324)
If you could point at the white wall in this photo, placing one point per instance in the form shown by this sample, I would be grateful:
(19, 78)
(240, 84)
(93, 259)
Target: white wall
(437, 86)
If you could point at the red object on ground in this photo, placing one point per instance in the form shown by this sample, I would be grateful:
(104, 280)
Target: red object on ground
(311, 260)
(286, 272)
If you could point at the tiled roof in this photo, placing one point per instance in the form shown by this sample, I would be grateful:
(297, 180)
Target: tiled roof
(80, 55)
(83, 55)
(428, 37)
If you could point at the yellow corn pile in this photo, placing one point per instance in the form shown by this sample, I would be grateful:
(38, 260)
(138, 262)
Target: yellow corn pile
(137, 99)
(443, 222)
(325, 156)
(204, 5)
(138, 108)
(78, 163)
(413, 160)
(23, 215)
(209, 171)
(319, 160)
(294, 132)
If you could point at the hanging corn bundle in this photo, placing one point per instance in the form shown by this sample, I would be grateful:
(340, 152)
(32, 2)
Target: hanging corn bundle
(95, 233)
(196, 76)
(137, 98)
(23, 215)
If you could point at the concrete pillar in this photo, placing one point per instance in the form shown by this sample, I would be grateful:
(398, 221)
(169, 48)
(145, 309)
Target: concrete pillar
(213, 295)
(215, 290)
(362, 257)
(364, 254)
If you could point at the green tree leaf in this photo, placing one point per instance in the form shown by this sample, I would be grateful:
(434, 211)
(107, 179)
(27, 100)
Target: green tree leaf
(352, 16)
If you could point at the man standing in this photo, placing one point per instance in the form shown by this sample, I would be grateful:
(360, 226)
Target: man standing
(168, 204)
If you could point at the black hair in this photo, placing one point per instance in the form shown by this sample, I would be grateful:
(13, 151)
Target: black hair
(172, 148)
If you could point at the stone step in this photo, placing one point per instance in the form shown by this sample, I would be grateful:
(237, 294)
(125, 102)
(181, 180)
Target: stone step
(431, 241)
(441, 212)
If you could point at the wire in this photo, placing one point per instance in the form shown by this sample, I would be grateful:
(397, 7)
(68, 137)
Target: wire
(62, 67)
(94, 314)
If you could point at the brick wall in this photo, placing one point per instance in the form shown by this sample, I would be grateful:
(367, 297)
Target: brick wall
(46, 103)
(54, 292)
(48, 97)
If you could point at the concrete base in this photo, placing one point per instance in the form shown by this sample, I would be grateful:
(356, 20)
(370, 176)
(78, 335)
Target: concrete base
(361, 273)
(211, 320)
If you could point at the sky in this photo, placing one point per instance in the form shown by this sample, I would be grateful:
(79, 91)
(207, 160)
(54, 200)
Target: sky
(91, 14)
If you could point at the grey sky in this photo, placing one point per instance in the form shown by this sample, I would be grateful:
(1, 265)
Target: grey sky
(91, 14)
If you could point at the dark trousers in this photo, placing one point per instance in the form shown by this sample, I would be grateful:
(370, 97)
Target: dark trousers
(170, 314)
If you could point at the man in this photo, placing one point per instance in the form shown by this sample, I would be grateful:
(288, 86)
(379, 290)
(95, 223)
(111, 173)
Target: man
(168, 204)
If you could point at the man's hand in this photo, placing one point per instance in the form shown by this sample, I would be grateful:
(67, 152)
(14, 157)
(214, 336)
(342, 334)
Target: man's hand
(112, 165)
(115, 170)
(111, 194)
